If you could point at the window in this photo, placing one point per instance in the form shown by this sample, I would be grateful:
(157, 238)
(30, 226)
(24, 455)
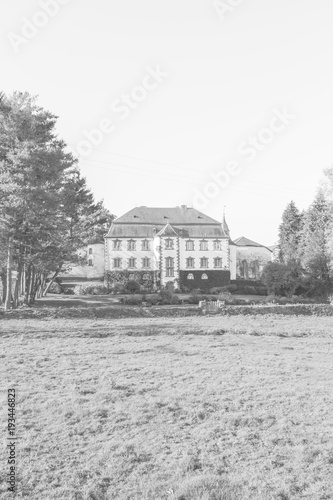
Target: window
(90, 251)
(218, 262)
(131, 245)
(190, 276)
(203, 245)
(190, 262)
(190, 245)
(217, 245)
(169, 244)
(169, 265)
(116, 244)
(204, 276)
(146, 262)
(132, 263)
(145, 245)
(116, 263)
(90, 262)
(204, 262)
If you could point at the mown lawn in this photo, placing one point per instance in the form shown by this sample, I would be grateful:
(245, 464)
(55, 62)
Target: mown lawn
(195, 408)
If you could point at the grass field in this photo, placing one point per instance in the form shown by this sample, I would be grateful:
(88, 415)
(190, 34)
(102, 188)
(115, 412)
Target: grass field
(193, 408)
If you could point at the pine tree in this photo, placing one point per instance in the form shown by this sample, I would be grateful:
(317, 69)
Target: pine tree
(315, 254)
(290, 234)
(48, 210)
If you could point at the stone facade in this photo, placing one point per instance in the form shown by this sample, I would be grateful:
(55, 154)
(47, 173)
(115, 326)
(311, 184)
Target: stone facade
(251, 258)
(182, 245)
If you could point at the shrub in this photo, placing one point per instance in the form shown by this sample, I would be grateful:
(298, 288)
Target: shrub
(68, 291)
(118, 288)
(134, 300)
(249, 290)
(218, 289)
(146, 289)
(196, 291)
(232, 288)
(175, 300)
(132, 286)
(165, 297)
(282, 279)
(194, 299)
(55, 288)
(96, 290)
(80, 290)
(153, 299)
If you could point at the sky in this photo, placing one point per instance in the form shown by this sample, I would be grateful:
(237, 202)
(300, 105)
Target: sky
(216, 104)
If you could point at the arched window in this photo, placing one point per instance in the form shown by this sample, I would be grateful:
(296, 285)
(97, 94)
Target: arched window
(204, 276)
(190, 276)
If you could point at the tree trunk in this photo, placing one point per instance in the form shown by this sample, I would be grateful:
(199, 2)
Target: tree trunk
(48, 286)
(32, 285)
(27, 285)
(40, 286)
(17, 285)
(9, 275)
(4, 287)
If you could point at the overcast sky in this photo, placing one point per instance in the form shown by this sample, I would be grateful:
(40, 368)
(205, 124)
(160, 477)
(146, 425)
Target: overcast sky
(184, 91)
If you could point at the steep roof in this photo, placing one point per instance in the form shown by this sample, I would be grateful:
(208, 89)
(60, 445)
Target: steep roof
(225, 226)
(156, 215)
(245, 242)
(148, 221)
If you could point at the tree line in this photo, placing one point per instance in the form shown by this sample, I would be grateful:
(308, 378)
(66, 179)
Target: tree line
(305, 261)
(47, 212)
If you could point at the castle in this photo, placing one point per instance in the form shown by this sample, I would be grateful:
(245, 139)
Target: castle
(176, 247)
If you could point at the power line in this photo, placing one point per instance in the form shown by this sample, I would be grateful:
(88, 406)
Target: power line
(282, 188)
(177, 179)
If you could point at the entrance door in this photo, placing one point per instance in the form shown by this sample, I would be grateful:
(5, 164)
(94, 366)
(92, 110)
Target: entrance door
(170, 287)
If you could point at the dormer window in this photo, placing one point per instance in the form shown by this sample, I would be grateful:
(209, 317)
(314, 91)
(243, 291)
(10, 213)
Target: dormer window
(169, 244)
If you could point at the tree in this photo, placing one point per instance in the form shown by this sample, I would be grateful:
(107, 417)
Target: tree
(283, 279)
(51, 211)
(290, 234)
(315, 254)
